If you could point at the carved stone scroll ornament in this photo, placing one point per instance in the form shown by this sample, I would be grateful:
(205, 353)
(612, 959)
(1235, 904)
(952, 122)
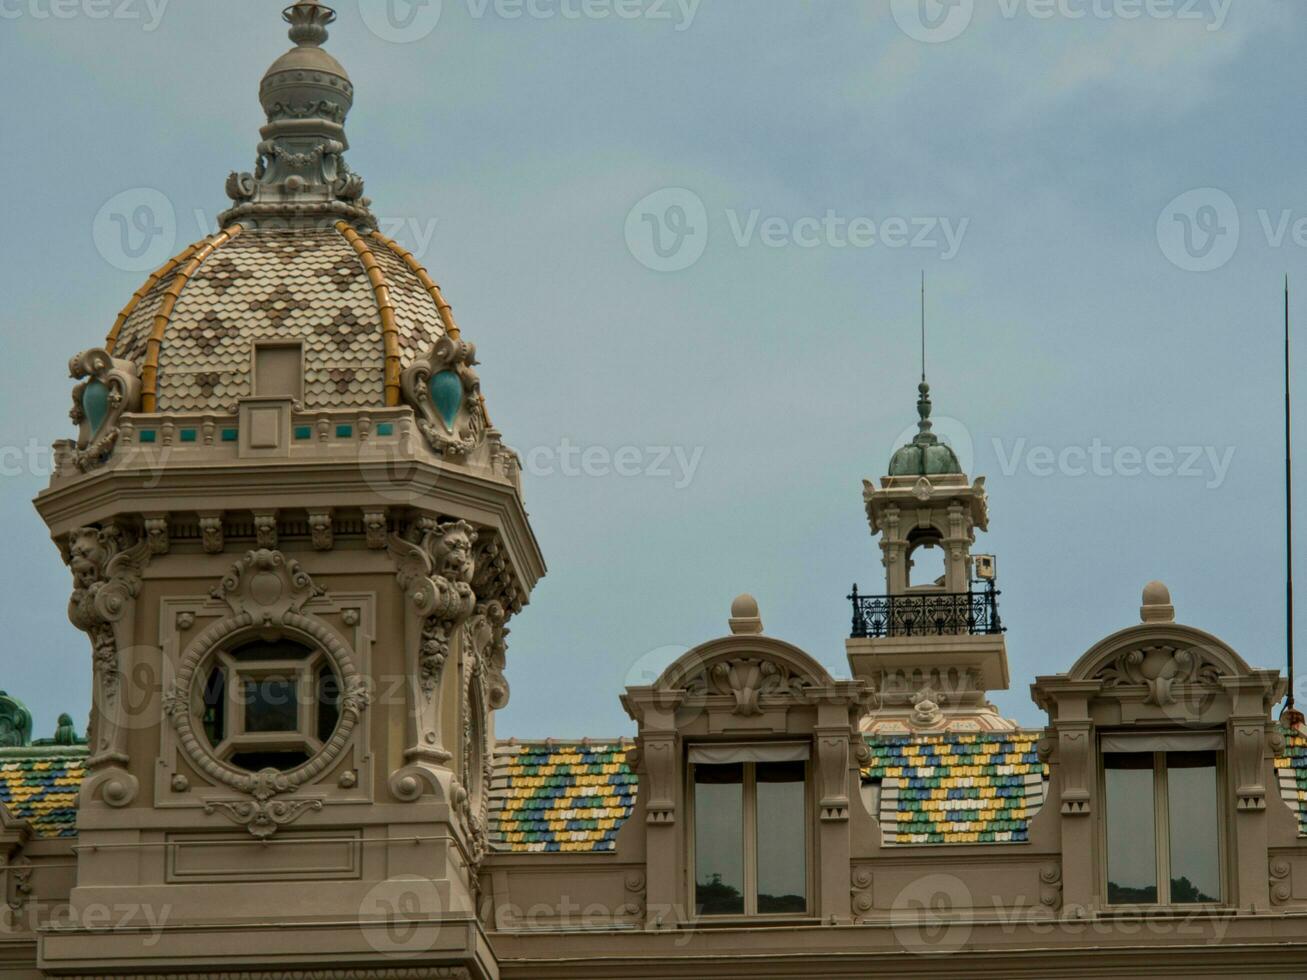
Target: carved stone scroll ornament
(434, 570)
(498, 599)
(107, 565)
(108, 388)
(473, 807)
(266, 592)
(657, 755)
(445, 392)
(747, 680)
(1161, 670)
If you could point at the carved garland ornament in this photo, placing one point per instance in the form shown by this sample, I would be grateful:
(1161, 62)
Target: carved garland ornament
(474, 801)
(446, 394)
(265, 590)
(111, 387)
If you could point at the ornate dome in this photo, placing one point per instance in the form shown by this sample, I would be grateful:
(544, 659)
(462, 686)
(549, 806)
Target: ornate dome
(297, 298)
(925, 455)
(359, 304)
(298, 261)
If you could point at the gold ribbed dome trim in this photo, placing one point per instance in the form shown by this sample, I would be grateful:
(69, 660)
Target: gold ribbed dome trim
(155, 278)
(150, 371)
(389, 330)
(429, 284)
(442, 307)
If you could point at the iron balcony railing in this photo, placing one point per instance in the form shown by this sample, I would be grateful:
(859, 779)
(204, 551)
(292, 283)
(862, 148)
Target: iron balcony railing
(926, 614)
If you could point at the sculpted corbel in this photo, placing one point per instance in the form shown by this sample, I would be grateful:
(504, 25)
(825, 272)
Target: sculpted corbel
(833, 768)
(107, 566)
(659, 756)
(1073, 743)
(108, 388)
(434, 570)
(1248, 744)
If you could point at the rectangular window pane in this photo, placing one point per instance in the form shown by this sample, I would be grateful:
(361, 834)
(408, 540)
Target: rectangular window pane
(271, 705)
(1191, 791)
(1131, 829)
(719, 839)
(782, 842)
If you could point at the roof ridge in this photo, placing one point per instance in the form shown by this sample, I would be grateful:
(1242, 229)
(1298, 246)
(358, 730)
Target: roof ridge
(381, 292)
(162, 319)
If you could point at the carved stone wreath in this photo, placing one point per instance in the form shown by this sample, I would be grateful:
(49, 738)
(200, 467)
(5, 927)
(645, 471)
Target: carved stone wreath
(108, 388)
(265, 591)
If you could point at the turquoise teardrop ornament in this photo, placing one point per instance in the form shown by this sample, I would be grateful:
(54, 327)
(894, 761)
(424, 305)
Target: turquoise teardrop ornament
(447, 396)
(95, 403)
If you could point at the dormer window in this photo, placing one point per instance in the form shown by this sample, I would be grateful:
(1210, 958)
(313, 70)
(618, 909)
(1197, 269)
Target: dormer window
(750, 830)
(1163, 820)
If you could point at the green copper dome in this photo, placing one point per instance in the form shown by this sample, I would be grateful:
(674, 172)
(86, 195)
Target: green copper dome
(925, 455)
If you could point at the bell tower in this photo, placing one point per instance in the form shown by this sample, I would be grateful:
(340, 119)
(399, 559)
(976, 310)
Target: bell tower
(930, 648)
(295, 543)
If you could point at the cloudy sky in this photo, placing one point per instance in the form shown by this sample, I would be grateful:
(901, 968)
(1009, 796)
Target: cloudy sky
(686, 238)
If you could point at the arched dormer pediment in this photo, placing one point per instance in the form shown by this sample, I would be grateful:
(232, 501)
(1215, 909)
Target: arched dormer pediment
(1158, 678)
(747, 669)
(1159, 660)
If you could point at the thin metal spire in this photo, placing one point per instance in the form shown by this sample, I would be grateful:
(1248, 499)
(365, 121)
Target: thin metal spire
(923, 326)
(1290, 715)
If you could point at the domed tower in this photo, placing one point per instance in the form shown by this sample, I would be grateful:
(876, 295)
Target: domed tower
(931, 649)
(296, 542)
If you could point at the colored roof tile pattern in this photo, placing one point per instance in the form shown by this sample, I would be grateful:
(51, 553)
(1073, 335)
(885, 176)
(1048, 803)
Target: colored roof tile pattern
(1291, 768)
(956, 788)
(560, 797)
(42, 789)
(272, 287)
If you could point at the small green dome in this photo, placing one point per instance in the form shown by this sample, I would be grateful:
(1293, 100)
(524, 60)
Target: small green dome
(925, 455)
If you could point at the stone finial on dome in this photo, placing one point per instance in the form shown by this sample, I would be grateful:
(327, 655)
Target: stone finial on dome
(1157, 606)
(745, 619)
(301, 178)
(308, 22)
(925, 455)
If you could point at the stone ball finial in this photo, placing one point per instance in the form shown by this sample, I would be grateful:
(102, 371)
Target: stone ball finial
(1157, 606)
(745, 619)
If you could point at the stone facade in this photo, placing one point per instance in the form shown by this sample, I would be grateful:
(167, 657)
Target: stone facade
(295, 545)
